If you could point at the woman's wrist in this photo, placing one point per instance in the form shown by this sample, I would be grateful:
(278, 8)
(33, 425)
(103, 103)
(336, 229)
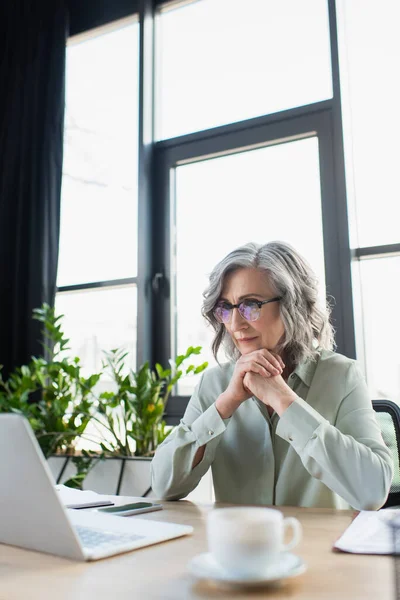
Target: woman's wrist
(225, 406)
(284, 402)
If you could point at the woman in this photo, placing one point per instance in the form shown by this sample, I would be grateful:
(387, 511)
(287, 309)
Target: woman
(287, 421)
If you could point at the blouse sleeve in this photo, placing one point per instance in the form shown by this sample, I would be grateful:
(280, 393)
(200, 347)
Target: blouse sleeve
(172, 474)
(349, 456)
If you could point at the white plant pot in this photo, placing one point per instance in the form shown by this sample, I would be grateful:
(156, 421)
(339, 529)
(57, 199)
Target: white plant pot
(128, 476)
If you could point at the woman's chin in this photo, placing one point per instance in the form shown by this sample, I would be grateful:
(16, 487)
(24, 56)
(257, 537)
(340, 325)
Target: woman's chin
(247, 347)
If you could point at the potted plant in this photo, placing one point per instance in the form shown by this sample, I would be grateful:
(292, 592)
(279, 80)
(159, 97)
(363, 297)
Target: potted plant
(62, 407)
(129, 418)
(51, 392)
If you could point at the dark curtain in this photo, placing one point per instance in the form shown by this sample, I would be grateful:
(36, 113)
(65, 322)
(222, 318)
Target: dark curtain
(32, 73)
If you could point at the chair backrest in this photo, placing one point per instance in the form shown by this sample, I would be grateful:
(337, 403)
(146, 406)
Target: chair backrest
(388, 415)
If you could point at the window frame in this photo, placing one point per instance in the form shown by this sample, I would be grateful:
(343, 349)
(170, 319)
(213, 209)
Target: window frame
(294, 124)
(80, 32)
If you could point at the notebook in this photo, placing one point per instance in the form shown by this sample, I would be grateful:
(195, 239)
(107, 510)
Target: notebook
(32, 514)
(371, 532)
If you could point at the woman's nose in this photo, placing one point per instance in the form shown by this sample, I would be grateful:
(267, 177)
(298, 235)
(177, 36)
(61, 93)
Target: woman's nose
(237, 322)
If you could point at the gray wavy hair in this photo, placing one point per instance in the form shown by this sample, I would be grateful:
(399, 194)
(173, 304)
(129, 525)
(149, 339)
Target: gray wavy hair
(306, 323)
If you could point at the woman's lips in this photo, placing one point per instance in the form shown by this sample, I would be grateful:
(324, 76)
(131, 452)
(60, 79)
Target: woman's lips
(244, 340)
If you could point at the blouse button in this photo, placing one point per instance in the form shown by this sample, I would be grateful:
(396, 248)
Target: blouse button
(210, 432)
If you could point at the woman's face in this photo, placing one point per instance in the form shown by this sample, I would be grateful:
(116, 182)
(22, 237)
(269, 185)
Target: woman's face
(268, 329)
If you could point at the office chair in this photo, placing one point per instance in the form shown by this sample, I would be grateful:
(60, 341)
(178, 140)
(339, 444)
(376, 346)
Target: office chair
(388, 415)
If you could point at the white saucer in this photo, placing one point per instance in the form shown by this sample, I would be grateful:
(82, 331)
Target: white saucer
(204, 566)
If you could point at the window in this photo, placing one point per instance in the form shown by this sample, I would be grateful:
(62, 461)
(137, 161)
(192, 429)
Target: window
(98, 242)
(222, 61)
(370, 51)
(99, 320)
(369, 57)
(380, 290)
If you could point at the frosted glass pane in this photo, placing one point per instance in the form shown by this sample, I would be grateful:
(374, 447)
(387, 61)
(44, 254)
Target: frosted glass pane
(370, 58)
(221, 61)
(380, 286)
(98, 320)
(99, 190)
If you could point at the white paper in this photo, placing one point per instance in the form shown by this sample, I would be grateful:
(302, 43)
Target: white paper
(370, 533)
(69, 496)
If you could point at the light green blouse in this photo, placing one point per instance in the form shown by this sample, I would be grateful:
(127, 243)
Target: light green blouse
(326, 450)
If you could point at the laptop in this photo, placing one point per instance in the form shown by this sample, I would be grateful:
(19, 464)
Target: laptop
(33, 516)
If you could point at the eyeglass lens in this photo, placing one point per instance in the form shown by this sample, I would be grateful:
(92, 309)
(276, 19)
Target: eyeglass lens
(248, 309)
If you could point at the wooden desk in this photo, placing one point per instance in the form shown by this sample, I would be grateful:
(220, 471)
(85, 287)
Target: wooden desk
(159, 572)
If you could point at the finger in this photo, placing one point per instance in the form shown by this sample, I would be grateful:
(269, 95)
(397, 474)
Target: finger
(272, 367)
(259, 369)
(272, 358)
(279, 359)
(261, 361)
(246, 383)
(253, 367)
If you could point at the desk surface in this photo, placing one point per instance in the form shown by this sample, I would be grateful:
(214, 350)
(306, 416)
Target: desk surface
(160, 572)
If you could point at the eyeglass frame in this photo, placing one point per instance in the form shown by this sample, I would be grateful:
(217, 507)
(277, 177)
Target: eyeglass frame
(259, 303)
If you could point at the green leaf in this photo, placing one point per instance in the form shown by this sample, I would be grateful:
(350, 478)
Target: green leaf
(201, 368)
(179, 360)
(106, 395)
(25, 371)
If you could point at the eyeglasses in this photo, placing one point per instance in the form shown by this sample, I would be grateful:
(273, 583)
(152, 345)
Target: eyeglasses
(249, 309)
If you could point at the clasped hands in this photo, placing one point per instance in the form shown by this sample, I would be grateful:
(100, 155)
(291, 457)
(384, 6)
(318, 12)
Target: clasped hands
(259, 374)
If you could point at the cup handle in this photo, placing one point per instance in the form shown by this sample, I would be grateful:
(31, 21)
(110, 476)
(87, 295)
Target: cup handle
(297, 532)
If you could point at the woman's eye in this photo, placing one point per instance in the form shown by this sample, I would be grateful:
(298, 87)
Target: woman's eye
(226, 306)
(251, 303)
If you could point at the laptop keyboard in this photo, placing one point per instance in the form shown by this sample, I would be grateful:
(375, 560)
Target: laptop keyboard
(96, 538)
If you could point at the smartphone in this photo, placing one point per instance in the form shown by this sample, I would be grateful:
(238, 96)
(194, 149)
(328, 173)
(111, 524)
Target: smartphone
(131, 509)
(90, 504)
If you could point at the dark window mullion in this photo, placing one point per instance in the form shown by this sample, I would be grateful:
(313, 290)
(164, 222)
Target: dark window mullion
(91, 14)
(161, 238)
(97, 284)
(343, 311)
(246, 125)
(377, 251)
(336, 242)
(146, 180)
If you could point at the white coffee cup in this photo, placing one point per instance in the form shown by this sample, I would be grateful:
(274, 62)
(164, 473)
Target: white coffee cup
(246, 541)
